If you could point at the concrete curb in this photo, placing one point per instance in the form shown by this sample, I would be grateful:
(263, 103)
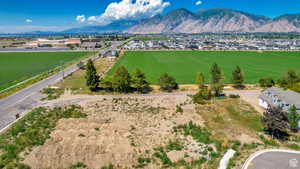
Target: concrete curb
(258, 153)
(226, 158)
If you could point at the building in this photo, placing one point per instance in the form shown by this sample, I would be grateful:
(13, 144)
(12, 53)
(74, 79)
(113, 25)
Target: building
(275, 96)
(60, 43)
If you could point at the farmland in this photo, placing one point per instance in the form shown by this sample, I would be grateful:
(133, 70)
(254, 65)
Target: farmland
(19, 66)
(184, 65)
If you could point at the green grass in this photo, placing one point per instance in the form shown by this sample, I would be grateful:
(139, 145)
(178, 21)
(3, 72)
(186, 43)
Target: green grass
(184, 65)
(19, 66)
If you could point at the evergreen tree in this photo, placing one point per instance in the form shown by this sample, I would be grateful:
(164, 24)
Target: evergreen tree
(92, 78)
(139, 81)
(238, 77)
(291, 76)
(121, 80)
(293, 118)
(106, 83)
(200, 80)
(167, 83)
(216, 80)
(216, 74)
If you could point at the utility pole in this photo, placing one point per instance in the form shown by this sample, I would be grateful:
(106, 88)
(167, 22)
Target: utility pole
(63, 71)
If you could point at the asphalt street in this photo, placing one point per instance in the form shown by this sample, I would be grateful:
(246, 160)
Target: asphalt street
(30, 97)
(276, 160)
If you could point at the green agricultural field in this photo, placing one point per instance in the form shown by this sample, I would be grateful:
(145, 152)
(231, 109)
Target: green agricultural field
(184, 65)
(19, 66)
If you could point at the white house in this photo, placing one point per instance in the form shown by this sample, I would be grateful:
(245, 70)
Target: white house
(275, 96)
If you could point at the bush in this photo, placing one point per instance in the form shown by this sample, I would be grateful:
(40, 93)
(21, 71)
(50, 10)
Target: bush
(266, 82)
(78, 165)
(52, 93)
(110, 166)
(201, 135)
(234, 96)
(174, 145)
(202, 96)
(162, 155)
(167, 83)
(179, 109)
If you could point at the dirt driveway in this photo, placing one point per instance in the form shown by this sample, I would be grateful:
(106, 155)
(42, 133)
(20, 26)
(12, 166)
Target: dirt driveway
(250, 96)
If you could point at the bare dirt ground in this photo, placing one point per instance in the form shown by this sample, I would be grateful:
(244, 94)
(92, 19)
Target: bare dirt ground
(117, 131)
(250, 96)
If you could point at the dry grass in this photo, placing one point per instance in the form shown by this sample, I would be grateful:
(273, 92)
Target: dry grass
(76, 82)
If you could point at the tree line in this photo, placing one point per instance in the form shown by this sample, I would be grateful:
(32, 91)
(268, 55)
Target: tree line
(290, 80)
(122, 81)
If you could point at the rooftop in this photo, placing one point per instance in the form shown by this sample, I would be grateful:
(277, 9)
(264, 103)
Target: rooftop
(288, 96)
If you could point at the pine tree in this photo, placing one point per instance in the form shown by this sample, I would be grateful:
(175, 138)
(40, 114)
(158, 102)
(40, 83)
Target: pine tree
(216, 80)
(216, 74)
(293, 118)
(121, 80)
(200, 80)
(291, 77)
(238, 77)
(139, 81)
(167, 83)
(92, 78)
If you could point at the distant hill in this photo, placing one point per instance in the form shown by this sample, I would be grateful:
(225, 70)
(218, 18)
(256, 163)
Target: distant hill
(115, 27)
(215, 20)
(204, 20)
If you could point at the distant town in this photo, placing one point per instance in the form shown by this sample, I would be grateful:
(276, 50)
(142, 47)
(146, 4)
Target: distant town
(149, 42)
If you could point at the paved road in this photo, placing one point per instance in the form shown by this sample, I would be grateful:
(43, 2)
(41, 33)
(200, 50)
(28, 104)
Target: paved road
(274, 159)
(29, 97)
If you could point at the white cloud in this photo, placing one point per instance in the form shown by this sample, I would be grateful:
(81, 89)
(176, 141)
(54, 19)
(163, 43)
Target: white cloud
(80, 18)
(198, 3)
(28, 20)
(129, 10)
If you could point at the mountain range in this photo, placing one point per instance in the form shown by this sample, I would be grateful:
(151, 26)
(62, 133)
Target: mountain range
(205, 20)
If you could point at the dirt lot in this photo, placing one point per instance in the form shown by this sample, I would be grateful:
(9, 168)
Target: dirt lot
(118, 132)
(148, 131)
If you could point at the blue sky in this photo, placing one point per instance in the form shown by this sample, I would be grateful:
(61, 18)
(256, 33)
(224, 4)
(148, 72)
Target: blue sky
(28, 15)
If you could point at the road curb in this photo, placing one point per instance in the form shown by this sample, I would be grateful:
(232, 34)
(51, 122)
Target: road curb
(258, 153)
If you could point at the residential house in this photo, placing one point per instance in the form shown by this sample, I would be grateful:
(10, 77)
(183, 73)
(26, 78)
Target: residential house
(275, 96)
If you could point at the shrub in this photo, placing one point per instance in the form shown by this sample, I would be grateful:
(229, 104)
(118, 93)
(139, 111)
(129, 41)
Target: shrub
(179, 109)
(142, 162)
(52, 93)
(202, 96)
(266, 82)
(167, 83)
(110, 166)
(174, 145)
(234, 96)
(78, 165)
(162, 155)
